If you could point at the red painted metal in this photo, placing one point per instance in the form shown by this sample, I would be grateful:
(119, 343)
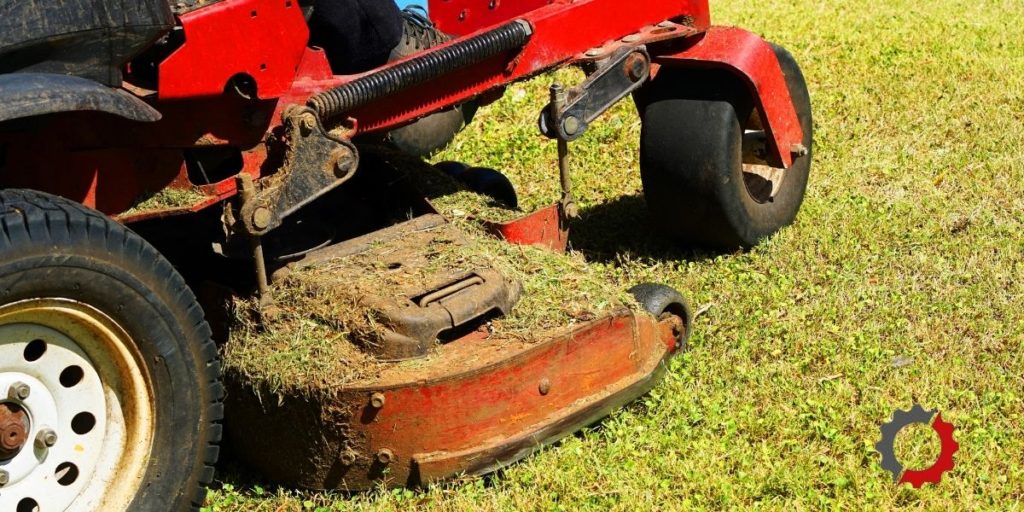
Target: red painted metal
(225, 39)
(546, 228)
(467, 16)
(753, 60)
(264, 39)
(475, 405)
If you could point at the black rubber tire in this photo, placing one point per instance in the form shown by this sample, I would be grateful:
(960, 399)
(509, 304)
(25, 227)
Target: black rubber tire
(53, 248)
(691, 158)
(491, 183)
(660, 300)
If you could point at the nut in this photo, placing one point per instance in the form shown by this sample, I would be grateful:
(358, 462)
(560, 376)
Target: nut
(377, 400)
(385, 456)
(5, 477)
(19, 391)
(46, 438)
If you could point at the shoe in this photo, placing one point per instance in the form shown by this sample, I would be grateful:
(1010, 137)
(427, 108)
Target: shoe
(432, 133)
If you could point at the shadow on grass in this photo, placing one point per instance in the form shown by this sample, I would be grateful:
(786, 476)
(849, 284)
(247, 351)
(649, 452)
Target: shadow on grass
(622, 229)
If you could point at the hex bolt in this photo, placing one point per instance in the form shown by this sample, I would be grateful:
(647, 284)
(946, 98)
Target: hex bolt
(799, 150)
(19, 391)
(5, 477)
(46, 438)
(377, 400)
(385, 456)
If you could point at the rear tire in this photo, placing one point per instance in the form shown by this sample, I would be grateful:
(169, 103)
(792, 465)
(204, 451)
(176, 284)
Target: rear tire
(691, 158)
(77, 286)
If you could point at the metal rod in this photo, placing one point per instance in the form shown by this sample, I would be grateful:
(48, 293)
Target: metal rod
(557, 103)
(246, 192)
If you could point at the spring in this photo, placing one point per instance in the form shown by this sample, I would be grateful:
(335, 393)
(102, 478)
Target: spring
(417, 70)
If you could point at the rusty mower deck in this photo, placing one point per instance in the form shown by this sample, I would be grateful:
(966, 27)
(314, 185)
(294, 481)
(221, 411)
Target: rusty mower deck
(463, 406)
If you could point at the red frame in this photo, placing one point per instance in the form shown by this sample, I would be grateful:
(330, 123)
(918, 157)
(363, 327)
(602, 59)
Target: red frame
(266, 39)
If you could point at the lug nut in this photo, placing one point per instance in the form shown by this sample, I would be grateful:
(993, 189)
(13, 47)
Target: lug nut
(19, 391)
(377, 400)
(385, 456)
(5, 477)
(46, 438)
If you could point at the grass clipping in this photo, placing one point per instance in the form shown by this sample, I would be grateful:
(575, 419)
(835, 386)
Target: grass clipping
(308, 344)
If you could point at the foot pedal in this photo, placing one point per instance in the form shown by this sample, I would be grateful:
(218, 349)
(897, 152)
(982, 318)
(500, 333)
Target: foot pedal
(402, 288)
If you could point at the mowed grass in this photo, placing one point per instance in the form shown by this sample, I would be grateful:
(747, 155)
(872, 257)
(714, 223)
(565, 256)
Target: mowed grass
(899, 282)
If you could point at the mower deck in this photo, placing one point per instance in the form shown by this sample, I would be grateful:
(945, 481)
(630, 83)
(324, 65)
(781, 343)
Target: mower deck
(473, 406)
(448, 393)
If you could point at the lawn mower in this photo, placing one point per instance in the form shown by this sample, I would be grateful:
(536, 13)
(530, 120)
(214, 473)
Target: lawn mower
(178, 173)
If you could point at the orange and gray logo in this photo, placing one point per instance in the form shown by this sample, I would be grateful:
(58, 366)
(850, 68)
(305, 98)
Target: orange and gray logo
(917, 415)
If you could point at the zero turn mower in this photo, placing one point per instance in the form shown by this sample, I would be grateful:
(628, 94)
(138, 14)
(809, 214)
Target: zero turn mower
(156, 156)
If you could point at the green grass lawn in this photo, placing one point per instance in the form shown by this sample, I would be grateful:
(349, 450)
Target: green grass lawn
(899, 282)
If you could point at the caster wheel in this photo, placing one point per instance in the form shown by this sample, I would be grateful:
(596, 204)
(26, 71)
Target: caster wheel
(662, 302)
(697, 183)
(110, 393)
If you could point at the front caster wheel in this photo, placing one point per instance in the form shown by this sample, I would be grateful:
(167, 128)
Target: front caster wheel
(663, 302)
(698, 158)
(110, 392)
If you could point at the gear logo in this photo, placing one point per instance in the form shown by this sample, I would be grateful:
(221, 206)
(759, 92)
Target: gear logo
(917, 415)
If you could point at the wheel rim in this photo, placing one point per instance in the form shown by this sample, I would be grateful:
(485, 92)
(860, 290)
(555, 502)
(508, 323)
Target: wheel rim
(87, 413)
(761, 181)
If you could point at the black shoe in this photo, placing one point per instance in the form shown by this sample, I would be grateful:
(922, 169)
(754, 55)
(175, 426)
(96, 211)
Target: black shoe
(434, 132)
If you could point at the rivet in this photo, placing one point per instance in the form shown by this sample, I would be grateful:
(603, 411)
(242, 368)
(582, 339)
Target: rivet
(544, 387)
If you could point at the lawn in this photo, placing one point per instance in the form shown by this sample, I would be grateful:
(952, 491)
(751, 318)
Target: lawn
(899, 282)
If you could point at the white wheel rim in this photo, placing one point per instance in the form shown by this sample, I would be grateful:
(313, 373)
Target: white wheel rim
(90, 388)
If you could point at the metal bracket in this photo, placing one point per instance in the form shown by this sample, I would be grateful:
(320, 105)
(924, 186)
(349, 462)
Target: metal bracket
(315, 163)
(615, 78)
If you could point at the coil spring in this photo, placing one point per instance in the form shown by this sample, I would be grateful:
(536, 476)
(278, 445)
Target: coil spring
(417, 70)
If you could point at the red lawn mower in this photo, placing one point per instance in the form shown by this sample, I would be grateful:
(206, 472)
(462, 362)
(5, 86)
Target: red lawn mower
(111, 385)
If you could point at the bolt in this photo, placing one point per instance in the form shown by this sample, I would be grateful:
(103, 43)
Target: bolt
(5, 477)
(19, 391)
(632, 38)
(571, 125)
(545, 386)
(385, 456)
(666, 24)
(46, 438)
(348, 457)
(593, 52)
(342, 158)
(261, 218)
(377, 400)
(636, 67)
(799, 150)
(307, 123)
